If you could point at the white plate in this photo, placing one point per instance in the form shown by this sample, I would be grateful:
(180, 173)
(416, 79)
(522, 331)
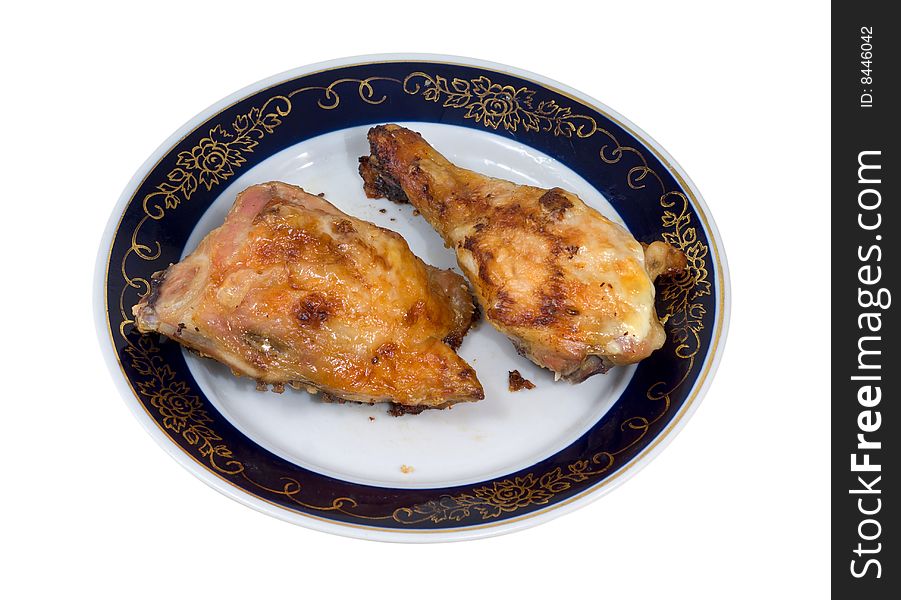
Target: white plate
(495, 466)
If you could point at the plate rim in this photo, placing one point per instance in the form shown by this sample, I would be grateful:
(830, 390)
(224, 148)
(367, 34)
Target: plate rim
(699, 388)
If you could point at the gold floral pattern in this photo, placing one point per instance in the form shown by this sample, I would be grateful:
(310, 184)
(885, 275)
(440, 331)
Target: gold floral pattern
(498, 105)
(495, 105)
(680, 293)
(507, 495)
(176, 405)
(182, 412)
(214, 159)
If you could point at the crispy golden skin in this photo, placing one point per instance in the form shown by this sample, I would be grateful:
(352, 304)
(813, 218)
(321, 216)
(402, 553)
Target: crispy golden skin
(291, 290)
(572, 290)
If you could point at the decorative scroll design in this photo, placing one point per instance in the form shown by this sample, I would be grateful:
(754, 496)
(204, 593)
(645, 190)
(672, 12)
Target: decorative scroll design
(182, 413)
(495, 105)
(505, 496)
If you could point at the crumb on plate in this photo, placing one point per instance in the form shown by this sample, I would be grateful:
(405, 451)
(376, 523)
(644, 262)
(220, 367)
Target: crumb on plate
(406, 469)
(516, 382)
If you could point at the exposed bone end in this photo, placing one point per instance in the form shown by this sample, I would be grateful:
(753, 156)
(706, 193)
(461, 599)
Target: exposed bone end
(661, 259)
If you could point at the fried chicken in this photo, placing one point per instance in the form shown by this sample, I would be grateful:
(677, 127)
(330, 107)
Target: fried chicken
(573, 290)
(290, 290)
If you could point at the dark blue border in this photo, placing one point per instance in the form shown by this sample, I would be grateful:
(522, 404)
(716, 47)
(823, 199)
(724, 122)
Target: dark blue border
(267, 476)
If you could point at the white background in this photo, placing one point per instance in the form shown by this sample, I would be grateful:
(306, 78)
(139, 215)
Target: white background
(736, 507)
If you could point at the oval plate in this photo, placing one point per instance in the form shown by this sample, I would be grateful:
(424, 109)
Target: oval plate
(508, 462)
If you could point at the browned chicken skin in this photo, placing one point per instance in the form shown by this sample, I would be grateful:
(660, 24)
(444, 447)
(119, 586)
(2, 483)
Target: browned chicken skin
(290, 290)
(572, 290)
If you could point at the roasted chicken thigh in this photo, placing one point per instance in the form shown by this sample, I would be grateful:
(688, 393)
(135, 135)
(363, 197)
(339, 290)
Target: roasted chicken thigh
(572, 290)
(290, 290)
